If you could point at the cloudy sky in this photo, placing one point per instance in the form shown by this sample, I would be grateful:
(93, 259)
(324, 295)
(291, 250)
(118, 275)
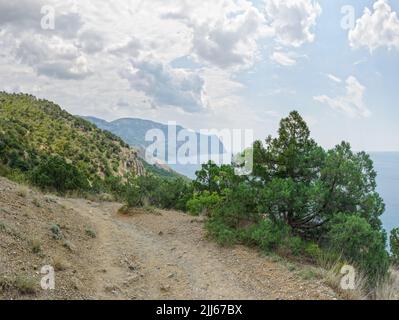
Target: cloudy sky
(213, 63)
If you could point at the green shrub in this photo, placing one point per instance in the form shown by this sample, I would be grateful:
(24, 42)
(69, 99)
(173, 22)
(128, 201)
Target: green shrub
(142, 190)
(4, 171)
(36, 246)
(296, 245)
(394, 244)
(3, 226)
(267, 235)
(235, 207)
(173, 194)
(307, 274)
(25, 285)
(203, 203)
(134, 196)
(5, 283)
(313, 251)
(56, 232)
(222, 234)
(90, 232)
(55, 173)
(355, 239)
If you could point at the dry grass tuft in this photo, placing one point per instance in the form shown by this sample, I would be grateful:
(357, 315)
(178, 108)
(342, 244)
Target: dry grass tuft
(60, 264)
(36, 246)
(22, 192)
(389, 289)
(25, 285)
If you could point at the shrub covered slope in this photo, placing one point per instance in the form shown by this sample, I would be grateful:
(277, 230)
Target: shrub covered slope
(42, 143)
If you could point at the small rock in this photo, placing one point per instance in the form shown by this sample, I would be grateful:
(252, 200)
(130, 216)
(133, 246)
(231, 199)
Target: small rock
(133, 278)
(165, 288)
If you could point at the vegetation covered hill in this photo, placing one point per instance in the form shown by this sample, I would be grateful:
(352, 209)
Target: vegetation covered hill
(35, 132)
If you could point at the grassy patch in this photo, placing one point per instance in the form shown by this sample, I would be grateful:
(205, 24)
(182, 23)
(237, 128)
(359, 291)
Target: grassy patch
(90, 232)
(25, 285)
(68, 245)
(36, 202)
(36, 246)
(3, 226)
(308, 274)
(60, 264)
(5, 283)
(22, 192)
(56, 232)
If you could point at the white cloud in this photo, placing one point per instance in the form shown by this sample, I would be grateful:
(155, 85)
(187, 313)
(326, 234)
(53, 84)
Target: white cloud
(377, 28)
(130, 49)
(333, 78)
(52, 53)
(224, 33)
(167, 86)
(351, 103)
(52, 57)
(91, 42)
(292, 20)
(283, 58)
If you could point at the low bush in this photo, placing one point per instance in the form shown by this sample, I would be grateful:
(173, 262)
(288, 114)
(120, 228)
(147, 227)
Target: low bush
(394, 244)
(203, 203)
(267, 235)
(313, 251)
(25, 285)
(355, 239)
(222, 234)
(56, 174)
(36, 246)
(56, 232)
(149, 190)
(90, 232)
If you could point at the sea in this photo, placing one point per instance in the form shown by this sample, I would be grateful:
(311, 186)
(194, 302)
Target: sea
(386, 164)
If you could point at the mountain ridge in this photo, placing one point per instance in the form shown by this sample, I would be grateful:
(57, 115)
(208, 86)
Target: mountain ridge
(133, 132)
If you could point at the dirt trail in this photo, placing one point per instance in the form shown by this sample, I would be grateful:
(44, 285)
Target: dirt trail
(166, 256)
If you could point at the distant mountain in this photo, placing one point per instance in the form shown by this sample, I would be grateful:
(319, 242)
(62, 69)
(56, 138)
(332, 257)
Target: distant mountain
(133, 131)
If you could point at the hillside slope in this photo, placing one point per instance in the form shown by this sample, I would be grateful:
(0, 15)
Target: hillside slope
(103, 255)
(133, 131)
(32, 129)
